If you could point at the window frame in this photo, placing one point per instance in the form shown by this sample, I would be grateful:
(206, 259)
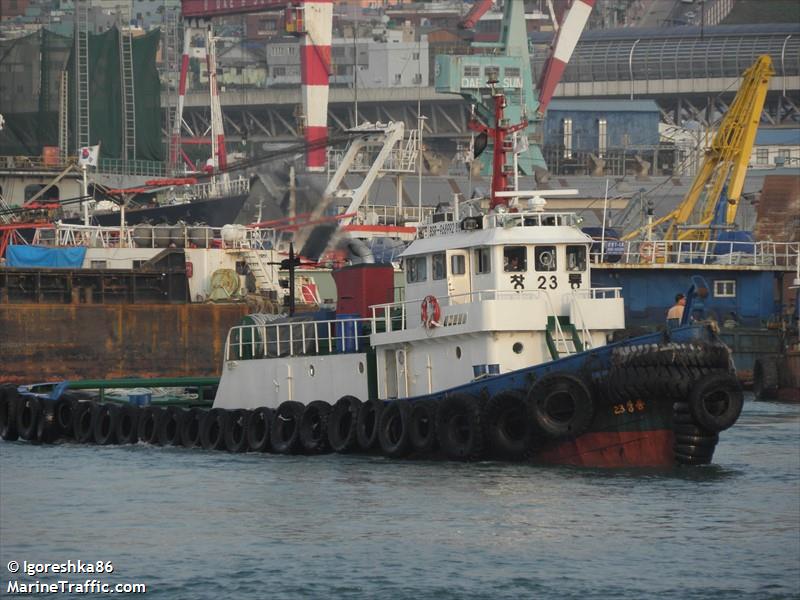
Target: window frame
(537, 250)
(483, 254)
(721, 289)
(582, 249)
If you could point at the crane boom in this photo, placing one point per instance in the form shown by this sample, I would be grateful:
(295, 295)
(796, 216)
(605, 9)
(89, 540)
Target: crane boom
(475, 13)
(725, 163)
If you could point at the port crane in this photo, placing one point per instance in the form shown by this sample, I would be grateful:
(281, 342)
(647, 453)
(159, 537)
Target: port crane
(507, 62)
(312, 21)
(713, 200)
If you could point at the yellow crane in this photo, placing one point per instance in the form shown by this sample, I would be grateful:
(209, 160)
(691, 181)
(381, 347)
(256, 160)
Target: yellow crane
(728, 154)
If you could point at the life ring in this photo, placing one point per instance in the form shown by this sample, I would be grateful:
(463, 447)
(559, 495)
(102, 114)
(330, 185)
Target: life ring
(431, 312)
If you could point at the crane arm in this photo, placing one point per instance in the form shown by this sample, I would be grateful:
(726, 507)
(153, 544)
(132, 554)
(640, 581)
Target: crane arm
(564, 44)
(479, 8)
(725, 162)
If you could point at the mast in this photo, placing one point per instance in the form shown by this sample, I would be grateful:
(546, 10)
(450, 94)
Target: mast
(500, 134)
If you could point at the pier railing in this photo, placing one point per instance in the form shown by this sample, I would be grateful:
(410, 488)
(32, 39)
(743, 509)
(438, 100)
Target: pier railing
(694, 253)
(298, 338)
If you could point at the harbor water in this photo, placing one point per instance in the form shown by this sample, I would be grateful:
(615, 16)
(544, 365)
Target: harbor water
(195, 524)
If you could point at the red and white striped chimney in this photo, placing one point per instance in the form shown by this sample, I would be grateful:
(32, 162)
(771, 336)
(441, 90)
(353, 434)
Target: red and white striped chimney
(566, 40)
(315, 63)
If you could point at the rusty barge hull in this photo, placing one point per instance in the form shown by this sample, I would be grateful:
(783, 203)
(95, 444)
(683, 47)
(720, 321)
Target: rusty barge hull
(46, 342)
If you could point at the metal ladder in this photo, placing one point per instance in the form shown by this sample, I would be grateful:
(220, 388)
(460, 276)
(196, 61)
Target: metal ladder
(82, 72)
(257, 268)
(127, 84)
(63, 117)
(172, 53)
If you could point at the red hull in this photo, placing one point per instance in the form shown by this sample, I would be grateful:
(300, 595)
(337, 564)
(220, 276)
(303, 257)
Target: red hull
(614, 449)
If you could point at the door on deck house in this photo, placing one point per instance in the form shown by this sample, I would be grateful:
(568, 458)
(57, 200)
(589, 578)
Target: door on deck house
(459, 285)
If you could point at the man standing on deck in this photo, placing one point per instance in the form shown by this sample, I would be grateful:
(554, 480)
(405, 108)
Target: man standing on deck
(675, 313)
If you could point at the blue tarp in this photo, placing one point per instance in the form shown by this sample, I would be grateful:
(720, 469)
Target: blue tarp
(40, 256)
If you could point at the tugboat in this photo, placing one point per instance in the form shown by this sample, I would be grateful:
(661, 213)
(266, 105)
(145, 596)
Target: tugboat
(499, 349)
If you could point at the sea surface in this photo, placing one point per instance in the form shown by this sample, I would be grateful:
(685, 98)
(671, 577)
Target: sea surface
(195, 524)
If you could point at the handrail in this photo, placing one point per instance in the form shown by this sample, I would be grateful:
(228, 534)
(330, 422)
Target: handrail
(298, 338)
(63, 234)
(701, 252)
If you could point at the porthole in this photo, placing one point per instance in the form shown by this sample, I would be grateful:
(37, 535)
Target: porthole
(517, 347)
(458, 351)
(360, 367)
(310, 370)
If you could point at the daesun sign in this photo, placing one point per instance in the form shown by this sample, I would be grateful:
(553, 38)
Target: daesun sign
(477, 82)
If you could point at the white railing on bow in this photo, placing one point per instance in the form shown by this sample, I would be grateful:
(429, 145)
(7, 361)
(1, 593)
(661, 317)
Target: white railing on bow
(298, 338)
(716, 253)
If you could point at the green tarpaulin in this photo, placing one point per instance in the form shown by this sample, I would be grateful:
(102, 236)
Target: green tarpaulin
(30, 76)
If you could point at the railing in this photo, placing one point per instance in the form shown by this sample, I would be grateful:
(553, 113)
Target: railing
(145, 168)
(394, 315)
(232, 187)
(675, 252)
(155, 236)
(374, 214)
(298, 338)
(504, 220)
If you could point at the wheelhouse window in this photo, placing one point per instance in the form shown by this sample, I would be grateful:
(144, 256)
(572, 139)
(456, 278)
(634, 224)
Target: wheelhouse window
(416, 269)
(515, 258)
(483, 261)
(725, 288)
(545, 258)
(458, 264)
(576, 258)
(438, 263)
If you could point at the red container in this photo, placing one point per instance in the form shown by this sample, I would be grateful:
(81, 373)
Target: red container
(360, 286)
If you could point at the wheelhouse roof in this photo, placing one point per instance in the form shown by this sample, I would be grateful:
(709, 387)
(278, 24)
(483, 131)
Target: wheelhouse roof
(497, 236)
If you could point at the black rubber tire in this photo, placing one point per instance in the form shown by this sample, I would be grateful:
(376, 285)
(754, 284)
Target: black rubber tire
(285, 431)
(716, 401)
(394, 428)
(314, 427)
(127, 424)
(190, 427)
(459, 429)
(684, 459)
(422, 432)
(508, 431)
(83, 422)
(147, 428)
(29, 409)
(560, 405)
(170, 425)
(236, 430)
(695, 451)
(212, 430)
(342, 420)
(258, 428)
(696, 440)
(65, 412)
(766, 379)
(105, 420)
(692, 429)
(686, 354)
(8, 413)
(47, 428)
(369, 415)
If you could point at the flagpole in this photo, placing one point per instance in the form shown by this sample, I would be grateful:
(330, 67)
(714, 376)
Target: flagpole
(84, 201)
(603, 231)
